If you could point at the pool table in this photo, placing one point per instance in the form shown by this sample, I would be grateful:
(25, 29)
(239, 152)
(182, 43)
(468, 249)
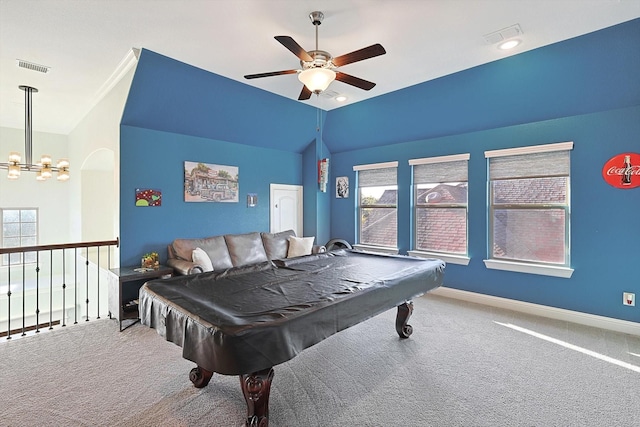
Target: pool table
(246, 321)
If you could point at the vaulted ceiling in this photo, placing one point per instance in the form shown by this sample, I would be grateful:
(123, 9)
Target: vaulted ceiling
(86, 42)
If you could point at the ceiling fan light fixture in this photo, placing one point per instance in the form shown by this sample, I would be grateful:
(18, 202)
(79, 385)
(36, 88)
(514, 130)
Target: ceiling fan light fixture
(318, 66)
(317, 79)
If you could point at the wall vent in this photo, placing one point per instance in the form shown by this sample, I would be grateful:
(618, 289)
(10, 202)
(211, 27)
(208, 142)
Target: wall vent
(32, 66)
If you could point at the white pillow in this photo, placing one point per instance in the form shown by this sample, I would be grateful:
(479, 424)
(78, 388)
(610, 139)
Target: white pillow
(299, 246)
(201, 258)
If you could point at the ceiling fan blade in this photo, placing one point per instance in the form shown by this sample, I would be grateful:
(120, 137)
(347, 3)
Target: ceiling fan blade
(305, 94)
(354, 81)
(273, 73)
(294, 47)
(359, 55)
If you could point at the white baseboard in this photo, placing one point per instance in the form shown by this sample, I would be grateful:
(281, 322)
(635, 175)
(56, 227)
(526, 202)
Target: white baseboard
(602, 322)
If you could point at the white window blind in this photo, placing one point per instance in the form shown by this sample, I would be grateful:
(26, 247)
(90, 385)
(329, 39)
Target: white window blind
(440, 169)
(555, 163)
(377, 175)
(530, 162)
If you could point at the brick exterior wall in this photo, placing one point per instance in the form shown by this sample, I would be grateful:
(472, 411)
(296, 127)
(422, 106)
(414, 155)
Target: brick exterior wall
(530, 234)
(442, 229)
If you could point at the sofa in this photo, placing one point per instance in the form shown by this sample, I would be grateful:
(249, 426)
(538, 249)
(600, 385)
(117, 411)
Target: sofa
(235, 251)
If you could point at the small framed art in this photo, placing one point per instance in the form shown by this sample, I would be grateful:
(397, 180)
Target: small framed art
(342, 187)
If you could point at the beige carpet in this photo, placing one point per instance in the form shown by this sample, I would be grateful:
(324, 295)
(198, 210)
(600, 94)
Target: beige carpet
(459, 368)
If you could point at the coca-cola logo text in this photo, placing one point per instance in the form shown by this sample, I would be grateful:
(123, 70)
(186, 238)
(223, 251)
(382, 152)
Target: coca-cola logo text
(632, 170)
(622, 171)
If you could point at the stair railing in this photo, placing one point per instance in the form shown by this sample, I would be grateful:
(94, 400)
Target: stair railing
(42, 287)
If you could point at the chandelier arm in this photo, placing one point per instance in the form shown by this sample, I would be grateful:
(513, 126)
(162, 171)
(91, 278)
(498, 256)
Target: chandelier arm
(30, 168)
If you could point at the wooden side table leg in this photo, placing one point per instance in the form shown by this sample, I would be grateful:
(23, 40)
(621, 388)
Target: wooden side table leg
(256, 388)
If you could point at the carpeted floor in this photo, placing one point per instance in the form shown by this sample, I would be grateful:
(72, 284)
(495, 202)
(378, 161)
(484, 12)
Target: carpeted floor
(459, 368)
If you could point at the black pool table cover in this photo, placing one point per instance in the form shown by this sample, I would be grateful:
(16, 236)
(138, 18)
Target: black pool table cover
(242, 321)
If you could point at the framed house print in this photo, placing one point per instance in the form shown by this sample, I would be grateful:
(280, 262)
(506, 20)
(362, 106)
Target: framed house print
(204, 182)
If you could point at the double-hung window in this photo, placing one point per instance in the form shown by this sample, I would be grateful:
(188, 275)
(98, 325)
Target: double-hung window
(440, 207)
(19, 228)
(529, 209)
(378, 206)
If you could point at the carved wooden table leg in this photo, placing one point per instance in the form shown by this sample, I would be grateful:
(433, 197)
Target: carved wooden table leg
(256, 388)
(404, 312)
(200, 377)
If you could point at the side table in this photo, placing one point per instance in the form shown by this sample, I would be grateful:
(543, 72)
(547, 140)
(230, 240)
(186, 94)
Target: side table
(124, 285)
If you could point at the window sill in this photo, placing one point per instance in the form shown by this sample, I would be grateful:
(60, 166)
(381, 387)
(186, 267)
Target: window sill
(448, 258)
(376, 249)
(521, 267)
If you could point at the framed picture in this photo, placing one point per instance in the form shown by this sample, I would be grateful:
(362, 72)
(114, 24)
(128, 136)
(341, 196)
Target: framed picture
(205, 182)
(148, 197)
(342, 187)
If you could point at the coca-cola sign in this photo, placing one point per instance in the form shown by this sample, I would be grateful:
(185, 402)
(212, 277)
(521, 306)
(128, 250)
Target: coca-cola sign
(623, 170)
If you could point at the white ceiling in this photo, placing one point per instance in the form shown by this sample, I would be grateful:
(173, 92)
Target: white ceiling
(85, 41)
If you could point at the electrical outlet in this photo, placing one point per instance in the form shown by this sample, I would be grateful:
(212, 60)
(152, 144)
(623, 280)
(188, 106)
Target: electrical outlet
(629, 298)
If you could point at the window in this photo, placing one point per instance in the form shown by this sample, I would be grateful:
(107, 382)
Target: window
(377, 204)
(440, 207)
(529, 213)
(19, 228)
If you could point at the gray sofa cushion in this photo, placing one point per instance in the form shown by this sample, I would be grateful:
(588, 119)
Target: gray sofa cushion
(245, 249)
(215, 247)
(276, 245)
(183, 248)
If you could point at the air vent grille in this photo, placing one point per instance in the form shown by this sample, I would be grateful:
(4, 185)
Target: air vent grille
(32, 66)
(329, 93)
(503, 34)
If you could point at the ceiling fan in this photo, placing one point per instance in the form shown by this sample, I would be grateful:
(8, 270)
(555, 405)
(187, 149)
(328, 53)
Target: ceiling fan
(318, 68)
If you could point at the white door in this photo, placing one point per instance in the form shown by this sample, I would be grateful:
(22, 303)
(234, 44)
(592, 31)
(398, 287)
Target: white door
(286, 208)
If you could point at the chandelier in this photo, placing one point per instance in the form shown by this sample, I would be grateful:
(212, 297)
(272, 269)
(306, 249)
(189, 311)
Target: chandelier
(44, 169)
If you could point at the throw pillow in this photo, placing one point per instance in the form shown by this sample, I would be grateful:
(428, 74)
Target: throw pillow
(299, 246)
(201, 258)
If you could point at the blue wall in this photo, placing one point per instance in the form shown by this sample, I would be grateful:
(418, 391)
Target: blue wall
(175, 113)
(317, 205)
(604, 220)
(155, 159)
(585, 90)
(175, 97)
(595, 72)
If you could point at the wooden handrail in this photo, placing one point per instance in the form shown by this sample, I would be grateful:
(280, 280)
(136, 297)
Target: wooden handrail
(115, 242)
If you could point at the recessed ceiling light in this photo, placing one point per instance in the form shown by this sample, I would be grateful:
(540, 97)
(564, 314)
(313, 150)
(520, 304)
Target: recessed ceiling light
(509, 44)
(341, 98)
